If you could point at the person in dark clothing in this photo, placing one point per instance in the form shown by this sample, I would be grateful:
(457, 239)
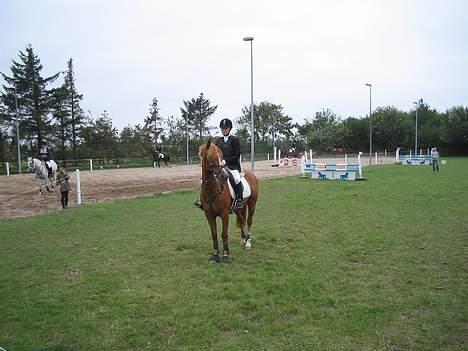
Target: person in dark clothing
(230, 147)
(64, 186)
(45, 155)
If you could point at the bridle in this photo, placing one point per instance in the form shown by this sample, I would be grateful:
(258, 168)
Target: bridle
(216, 174)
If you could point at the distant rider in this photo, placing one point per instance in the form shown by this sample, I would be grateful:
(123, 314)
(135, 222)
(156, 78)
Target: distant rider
(45, 155)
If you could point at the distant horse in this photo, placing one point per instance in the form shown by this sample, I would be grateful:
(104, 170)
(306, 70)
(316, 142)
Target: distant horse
(216, 200)
(158, 156)
(42, 173)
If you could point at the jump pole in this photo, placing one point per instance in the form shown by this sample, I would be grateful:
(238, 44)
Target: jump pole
(78, 187)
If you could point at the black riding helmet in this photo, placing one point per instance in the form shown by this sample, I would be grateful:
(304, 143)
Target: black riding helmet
(225, 123)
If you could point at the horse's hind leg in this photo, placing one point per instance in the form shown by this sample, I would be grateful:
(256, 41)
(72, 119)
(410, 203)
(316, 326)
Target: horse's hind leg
(241, 224)
(251, 209)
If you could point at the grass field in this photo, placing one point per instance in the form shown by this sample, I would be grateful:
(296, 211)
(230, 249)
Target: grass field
(374, 265)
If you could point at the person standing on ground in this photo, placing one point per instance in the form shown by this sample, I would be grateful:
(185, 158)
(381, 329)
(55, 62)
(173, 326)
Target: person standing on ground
(435, 159)
(64, 186)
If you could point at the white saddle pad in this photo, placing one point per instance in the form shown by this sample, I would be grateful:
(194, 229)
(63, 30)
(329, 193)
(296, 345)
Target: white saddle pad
(246, 192)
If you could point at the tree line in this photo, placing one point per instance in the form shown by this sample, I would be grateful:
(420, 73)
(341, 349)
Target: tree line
(49, 108)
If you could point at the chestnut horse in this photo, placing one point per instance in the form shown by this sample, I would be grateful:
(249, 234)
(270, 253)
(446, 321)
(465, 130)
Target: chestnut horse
(216, 200)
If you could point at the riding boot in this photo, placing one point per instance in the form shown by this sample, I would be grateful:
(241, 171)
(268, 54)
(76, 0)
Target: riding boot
(239, 196)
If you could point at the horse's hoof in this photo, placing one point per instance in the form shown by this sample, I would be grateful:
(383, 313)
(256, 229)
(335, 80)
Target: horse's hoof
(214, 259)
(248, 244)
(226, 259)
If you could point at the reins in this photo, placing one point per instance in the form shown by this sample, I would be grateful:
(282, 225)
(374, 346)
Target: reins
(214, 178)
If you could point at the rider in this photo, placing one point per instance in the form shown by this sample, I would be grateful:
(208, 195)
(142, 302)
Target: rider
(230, 147)
(45, 155)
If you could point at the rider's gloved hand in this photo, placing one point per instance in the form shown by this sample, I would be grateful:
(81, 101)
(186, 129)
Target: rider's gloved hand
(223, 162)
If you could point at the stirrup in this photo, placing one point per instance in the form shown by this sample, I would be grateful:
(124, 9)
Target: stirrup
(239, 205)
(198, 204)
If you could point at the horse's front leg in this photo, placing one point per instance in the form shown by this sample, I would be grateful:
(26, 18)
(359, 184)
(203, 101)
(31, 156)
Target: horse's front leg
(225, 236)
(214, 237)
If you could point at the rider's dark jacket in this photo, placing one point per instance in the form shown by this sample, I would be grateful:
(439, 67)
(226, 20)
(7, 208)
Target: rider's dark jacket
(231, 151)
(45, 154)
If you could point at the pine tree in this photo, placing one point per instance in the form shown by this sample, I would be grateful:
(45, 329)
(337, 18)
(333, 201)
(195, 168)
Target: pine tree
(74, 110)
(60, 114)
(197, 113)
(154, 122)
(34, 99)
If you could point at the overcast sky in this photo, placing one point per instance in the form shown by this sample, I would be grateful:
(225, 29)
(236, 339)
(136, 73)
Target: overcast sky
(307, 55)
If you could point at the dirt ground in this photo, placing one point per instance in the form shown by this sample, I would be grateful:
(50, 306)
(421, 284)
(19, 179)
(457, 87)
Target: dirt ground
(19, 194)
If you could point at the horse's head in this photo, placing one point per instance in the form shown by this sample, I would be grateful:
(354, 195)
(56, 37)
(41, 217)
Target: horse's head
(31, 165)
(212, 162)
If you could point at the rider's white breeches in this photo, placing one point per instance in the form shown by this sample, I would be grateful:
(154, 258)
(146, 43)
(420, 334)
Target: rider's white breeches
(236, 175)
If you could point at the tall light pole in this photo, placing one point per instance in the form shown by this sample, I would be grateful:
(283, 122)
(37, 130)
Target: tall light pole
(186, 122)
(252, 129)
(17, 133)
(417, 103)
(370, 122)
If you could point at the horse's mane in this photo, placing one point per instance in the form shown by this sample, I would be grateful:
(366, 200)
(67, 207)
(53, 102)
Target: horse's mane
(209, 151)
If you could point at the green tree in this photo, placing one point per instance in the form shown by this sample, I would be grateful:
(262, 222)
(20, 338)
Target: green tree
(135, 141)
(355, 134)
(62, 120)
(197, 112)
(34, 97)
(269, 120)
(73, 109)
(391, 128)
(175, 139)
(455, 129)
(153, 122)
(100, 138)
(322, 132)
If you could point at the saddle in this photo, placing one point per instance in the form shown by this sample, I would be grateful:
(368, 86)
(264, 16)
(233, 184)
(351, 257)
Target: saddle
(231, 184)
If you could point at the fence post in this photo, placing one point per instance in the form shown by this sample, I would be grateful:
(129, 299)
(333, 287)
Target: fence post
(78, 187)
(7, 166)
(359, 161)
(91, 164)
